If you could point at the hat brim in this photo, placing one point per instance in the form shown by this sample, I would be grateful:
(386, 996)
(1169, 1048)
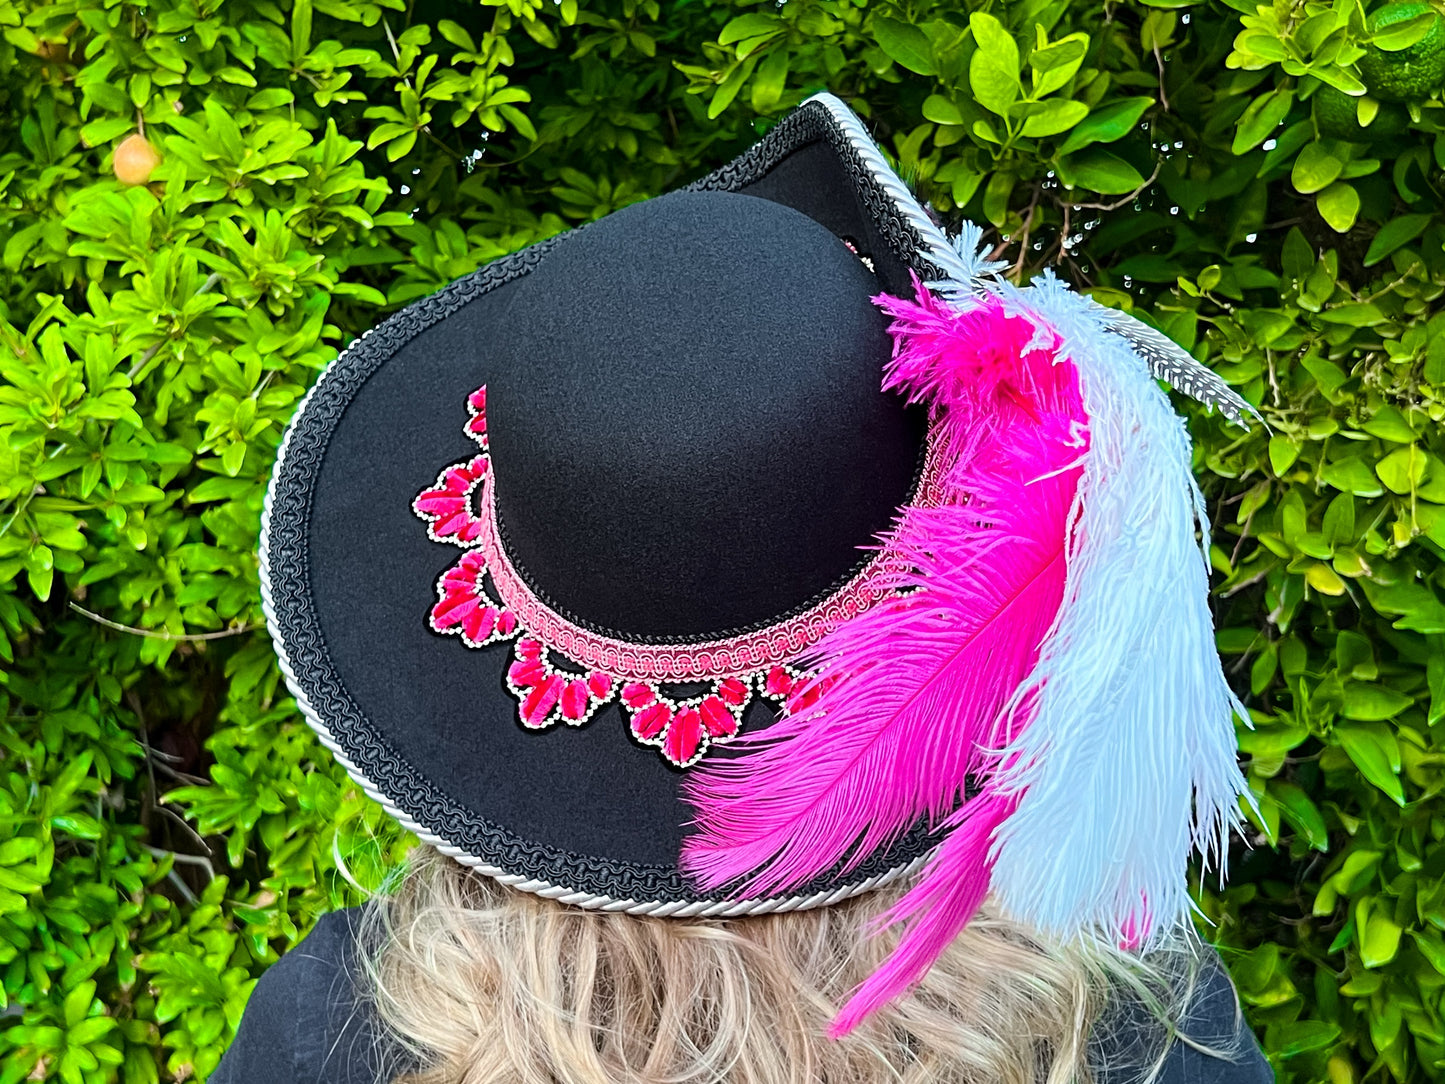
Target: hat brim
(430, 732)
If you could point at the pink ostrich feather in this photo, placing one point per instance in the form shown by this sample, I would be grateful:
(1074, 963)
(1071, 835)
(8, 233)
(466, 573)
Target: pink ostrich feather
(917, 695)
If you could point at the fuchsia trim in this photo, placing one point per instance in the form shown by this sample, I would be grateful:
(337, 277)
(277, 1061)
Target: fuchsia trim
(483, 599)
(742, 654)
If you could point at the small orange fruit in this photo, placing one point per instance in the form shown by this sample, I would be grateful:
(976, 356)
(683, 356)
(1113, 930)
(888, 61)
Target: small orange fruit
(135, 159)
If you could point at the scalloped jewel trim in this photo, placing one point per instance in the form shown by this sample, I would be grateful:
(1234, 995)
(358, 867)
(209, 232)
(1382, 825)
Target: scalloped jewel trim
(483, 600)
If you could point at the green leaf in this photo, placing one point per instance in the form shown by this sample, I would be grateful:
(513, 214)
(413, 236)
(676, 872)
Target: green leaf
(1373, 702)
(301, 28)
(905, 43)
(1394, 234)
(1339, 523)
(750, 25)
(1055, 63)
(77, 1003)
(270, 98)
(993, 70)
(1298, 256)
(996, 197)
(1315, 169)
(1102, 172)
(459, 36)
(1264, 115)
(1338, 205)
(1302, 1036)
(768, 84)
(1407, 32)
(1056, 116)
(728, 89)
(941, 110)
(80, 825)
(1435, 678)
(1376, 754)
(1352, 475)
(19, 849)
(1388, 423)
(1302, 814)
(1415, 603)
(1403, 470)
(1112, 122)
(1283, 451)
(1379, 934)
(41, 578)
(1431, 946)
(90, 1031)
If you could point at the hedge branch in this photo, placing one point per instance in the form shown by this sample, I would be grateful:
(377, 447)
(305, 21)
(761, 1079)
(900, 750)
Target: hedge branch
(191, 637)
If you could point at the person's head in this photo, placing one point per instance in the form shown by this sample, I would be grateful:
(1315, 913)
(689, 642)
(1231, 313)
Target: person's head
(486, 985)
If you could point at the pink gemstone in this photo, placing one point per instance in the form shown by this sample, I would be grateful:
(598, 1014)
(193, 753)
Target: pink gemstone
(526, 673)
(453, 520)
(637, 695)
(808, 692)
(599, 684)
(452, 610)
(683, 737)
(436, 501)
(506, 623)
(480, 623)
(732, 691)
(648, 722)
(806, 698)
(528, 648)
(540, 701)
(778, 683)
(574, 699)
(717, 718)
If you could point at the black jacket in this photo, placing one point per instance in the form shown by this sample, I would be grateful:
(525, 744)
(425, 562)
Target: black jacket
(309, 1022)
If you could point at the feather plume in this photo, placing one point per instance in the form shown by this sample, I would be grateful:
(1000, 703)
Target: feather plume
(914, 694)
(936, 909)
(1052, 639)
(1130, 760)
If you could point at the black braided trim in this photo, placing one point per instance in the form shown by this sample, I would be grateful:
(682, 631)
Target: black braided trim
(808, 124)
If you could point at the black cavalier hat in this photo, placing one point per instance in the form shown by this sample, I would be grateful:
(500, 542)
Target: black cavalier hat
(539, 544)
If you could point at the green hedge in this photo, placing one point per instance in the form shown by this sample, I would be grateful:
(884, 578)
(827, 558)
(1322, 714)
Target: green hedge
(167, 823)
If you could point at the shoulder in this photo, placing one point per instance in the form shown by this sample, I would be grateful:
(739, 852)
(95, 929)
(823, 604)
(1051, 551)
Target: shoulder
(309, 1019)
(1214, 1043)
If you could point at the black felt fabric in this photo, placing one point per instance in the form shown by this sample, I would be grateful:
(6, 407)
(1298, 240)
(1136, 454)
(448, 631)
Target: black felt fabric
(680, 474)
(309, 1022)
(813, 181)
(687, 425)
(441, 706)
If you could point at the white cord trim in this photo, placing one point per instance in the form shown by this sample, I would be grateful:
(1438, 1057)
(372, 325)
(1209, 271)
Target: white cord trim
(935, 243)
(1167, 360)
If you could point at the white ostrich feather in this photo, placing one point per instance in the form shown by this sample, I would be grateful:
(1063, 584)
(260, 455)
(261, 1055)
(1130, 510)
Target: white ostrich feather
(1129, 763)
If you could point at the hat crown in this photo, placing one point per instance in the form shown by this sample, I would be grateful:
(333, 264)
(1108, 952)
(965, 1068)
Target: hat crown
(687, 425)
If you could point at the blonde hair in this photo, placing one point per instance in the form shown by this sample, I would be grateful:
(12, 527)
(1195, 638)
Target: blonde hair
(485, 985)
